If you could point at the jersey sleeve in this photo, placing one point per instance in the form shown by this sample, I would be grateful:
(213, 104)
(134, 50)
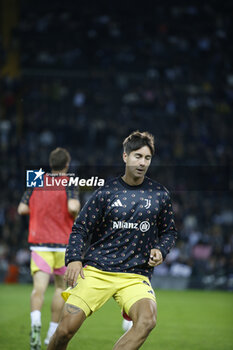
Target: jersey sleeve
(167, 232)
(84, 226)
(26, 196)
(72, 193)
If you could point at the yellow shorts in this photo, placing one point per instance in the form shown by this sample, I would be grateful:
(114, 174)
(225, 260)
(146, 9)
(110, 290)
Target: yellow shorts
(49, 262)
(91, 293)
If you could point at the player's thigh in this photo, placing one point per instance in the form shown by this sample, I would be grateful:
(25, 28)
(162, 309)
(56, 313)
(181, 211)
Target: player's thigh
(133, 288)
(71, 319)
(59, 282)
(42, 261)
(59, 267)
(90, 293)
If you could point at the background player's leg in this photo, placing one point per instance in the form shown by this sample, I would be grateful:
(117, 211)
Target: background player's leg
(40, 284)
(71, 320)
(58, 301)
(56, 306)
(143, 313)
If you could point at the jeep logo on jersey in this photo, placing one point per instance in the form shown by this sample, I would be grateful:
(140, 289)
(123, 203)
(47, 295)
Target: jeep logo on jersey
(144, 226)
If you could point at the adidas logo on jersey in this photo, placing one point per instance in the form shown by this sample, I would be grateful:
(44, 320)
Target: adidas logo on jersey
(117, 203)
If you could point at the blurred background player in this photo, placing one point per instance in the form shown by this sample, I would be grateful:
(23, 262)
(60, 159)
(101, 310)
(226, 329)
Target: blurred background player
(52, 212)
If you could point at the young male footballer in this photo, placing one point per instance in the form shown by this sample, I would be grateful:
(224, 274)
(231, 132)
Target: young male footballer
(52, 211)
(129, 223)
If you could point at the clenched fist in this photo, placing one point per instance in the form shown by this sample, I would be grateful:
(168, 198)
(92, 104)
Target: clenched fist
(156, 258)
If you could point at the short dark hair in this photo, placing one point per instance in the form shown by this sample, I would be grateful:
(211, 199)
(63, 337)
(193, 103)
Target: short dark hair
(137, 140)
(59, 158)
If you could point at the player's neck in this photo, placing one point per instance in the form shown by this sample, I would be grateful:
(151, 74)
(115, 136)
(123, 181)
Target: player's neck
(59, 172)
(132, 181)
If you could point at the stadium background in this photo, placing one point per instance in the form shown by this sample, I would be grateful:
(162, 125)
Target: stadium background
(83, 75)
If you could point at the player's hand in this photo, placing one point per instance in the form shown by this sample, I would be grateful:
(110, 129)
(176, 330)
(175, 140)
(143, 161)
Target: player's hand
(156, 257)
(74, 269)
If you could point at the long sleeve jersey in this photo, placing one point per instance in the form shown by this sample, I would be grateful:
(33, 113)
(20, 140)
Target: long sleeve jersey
(120, 224)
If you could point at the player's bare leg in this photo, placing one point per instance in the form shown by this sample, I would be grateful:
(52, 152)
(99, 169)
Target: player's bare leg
(143, 313)
(40, 284)
(56, 306)
(71, 320)
(58, 301)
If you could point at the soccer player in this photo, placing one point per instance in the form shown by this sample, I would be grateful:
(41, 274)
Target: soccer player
(52, 212)
(130, 225)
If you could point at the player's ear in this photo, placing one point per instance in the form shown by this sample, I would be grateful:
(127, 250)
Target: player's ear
(124, 156)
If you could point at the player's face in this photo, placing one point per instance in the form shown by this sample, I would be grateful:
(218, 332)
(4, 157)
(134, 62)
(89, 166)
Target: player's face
(137, 162)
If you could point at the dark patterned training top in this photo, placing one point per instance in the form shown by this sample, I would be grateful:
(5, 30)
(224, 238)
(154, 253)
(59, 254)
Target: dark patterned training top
(120, 224)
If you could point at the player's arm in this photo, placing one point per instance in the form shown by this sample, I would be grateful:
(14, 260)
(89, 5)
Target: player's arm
(73, 202)
(90, 216)
(73, 207)
(167, 232)
(74, 269)
(23, 207)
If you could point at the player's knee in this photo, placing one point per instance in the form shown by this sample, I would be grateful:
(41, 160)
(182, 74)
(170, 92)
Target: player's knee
(147, 323)
(38, 292)
(153, 322)
(64, 334)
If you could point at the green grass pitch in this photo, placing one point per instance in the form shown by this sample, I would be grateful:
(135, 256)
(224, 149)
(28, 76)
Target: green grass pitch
(187, 320)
